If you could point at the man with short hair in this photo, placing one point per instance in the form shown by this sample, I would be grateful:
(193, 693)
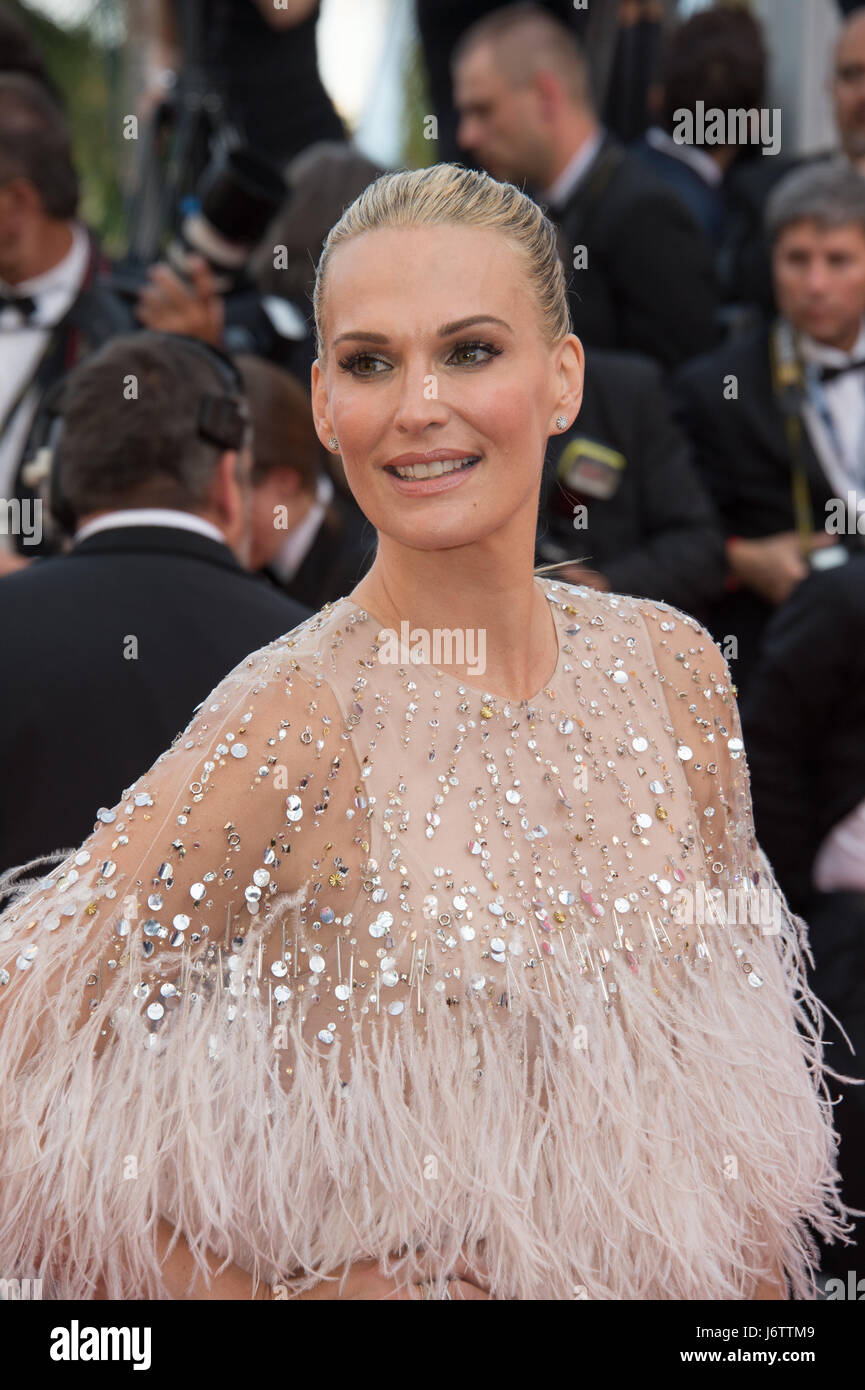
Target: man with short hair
(778, 417)
(640, 268)
(717, 61)
(848, 88)
(307, 535)
(52, 308)
(108, 649)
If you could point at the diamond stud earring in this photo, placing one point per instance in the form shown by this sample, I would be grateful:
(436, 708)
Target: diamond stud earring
(333, 442)
(562, 422)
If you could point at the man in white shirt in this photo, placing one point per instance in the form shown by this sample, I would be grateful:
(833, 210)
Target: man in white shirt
(48, 262)
(777, 416)
(107, 649)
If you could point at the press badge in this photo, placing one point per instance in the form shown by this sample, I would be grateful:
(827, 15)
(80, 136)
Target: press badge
(590, 468)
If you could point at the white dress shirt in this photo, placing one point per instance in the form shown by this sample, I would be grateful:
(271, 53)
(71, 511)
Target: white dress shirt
(22, 343)
(299, 542)
(576, 169)
(150, 516)
(839, 865)
(840, 446)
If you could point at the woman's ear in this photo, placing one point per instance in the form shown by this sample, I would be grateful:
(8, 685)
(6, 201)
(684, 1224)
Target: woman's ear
(572, 367)
(318, 392)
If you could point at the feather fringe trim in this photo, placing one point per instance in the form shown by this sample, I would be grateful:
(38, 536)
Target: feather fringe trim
(679, 1146)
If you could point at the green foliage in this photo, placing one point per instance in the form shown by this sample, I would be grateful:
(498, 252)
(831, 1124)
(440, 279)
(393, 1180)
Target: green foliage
(85, 65)
(417, 152)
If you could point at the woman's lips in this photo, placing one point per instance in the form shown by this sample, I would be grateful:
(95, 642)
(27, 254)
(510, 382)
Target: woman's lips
(423, 487)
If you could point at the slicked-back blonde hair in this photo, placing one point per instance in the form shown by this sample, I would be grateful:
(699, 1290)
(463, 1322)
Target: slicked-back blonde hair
(451, 195)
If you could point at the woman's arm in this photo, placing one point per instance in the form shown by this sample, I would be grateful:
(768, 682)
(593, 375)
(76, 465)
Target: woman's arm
(770, 1289)
(138, 1005)
(750, 990)
(364, 1281)
(184, 1280)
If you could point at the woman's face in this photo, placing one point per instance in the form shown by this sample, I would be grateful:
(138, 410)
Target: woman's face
(401, 378)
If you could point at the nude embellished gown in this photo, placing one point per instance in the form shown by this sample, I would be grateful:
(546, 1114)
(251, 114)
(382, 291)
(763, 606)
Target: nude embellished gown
(372, 961)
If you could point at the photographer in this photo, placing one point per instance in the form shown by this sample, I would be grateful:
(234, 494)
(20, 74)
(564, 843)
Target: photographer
(621, 497)
(259, 59)
(203, 289)
(53, 307)
(777, 417)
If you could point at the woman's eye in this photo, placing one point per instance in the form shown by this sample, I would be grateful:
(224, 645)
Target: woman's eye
(350, 364)
(354, 362)
(478, 347)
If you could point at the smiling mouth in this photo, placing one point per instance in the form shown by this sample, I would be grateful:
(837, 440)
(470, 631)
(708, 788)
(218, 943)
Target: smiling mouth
(435, 469)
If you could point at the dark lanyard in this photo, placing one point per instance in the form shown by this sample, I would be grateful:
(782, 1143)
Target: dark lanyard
(788, 385)
(33, 379)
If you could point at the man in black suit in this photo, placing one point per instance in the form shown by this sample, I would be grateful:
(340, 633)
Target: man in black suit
(620, 492)
(777, 417)
(441, 23)
(308, 535)
(107, 650)
(54, 307)
(718, 57)
(804, 729)
(641, 270)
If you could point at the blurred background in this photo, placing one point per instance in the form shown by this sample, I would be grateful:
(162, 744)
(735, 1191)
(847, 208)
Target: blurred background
(169, 173)
(371, 63)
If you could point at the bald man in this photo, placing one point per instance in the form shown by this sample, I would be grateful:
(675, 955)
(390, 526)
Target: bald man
(640, 270)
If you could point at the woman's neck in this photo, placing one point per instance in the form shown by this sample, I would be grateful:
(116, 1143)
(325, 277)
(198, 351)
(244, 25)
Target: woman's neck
(499, 615)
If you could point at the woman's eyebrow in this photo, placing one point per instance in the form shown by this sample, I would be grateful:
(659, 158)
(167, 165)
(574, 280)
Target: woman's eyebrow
(444, 332)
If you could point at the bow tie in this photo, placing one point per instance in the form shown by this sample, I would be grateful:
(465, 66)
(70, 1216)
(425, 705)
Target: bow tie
(24, 303)
(830, 373)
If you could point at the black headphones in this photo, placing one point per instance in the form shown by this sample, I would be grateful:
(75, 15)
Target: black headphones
(223, 420)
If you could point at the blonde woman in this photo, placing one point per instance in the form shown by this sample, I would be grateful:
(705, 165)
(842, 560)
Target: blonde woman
(410, 969)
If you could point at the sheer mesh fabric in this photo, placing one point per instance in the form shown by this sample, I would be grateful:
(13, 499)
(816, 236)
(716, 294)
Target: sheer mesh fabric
(373, 961)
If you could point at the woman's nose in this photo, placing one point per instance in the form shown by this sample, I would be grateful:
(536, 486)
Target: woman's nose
(419, 403)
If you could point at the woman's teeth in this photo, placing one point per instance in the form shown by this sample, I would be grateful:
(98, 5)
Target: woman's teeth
(434, 469)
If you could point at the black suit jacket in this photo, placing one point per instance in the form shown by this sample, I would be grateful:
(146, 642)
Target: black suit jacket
(106, 652)
(804, 722)
(650, 284)
(339, 557)
(94, 317)
(741, 450)
(658, 535)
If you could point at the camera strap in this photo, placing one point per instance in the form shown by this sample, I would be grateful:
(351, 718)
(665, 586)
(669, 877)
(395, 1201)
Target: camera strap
(37, 378)
(788, 387)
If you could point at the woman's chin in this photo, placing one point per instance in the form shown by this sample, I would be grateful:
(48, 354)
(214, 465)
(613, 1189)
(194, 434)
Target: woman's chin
(430, 539)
